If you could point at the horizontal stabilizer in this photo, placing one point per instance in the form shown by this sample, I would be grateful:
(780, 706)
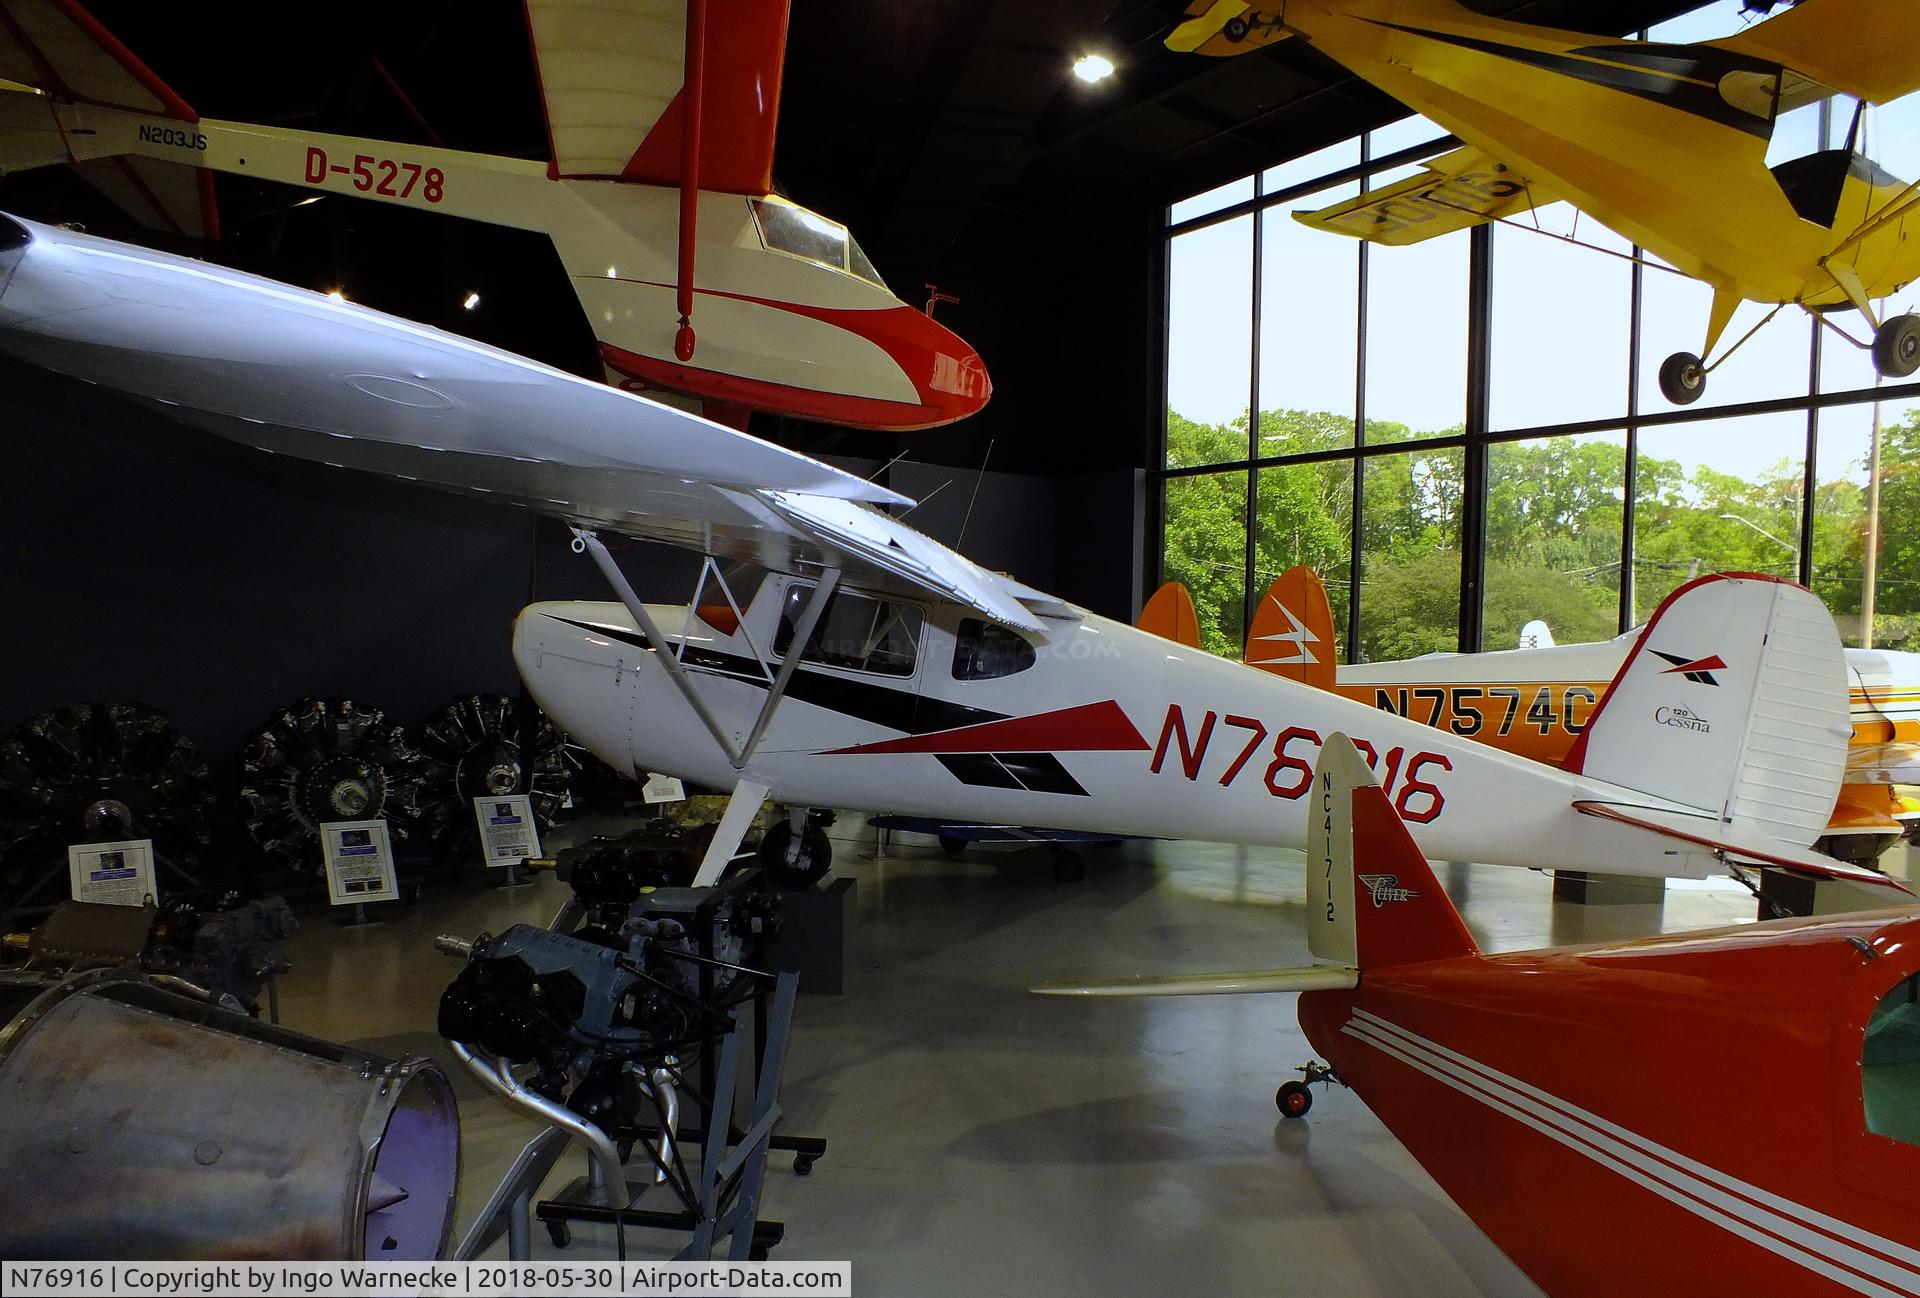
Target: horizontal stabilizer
(1703, 831)
(1372, 899)
(58, 47)
(1457, 190)
(1865, 48)
(55, 50)
(1306, 978)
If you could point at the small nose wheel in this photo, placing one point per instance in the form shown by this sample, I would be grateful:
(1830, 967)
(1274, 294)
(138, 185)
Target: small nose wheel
(802, 1165)
(1294, 1099)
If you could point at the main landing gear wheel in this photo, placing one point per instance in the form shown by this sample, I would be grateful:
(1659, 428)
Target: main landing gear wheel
(1896, 347)
(952, 844)
(471, 749)
(796, 870)
(323, 760)
(1682, 378)
(1293, 1099)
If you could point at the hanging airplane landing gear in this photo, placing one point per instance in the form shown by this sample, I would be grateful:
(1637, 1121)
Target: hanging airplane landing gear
(1683, 378)
(1295, 1099)
(1896, 347)
(797, 864)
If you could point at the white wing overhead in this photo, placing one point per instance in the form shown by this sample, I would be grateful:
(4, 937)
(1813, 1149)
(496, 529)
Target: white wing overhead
(297, 373)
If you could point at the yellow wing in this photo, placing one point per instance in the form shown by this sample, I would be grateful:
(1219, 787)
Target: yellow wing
(1863, 47)
(1224, 28)
(1457, 190)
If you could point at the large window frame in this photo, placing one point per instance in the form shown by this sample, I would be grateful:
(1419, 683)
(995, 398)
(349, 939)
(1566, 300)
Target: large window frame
(1640, 410)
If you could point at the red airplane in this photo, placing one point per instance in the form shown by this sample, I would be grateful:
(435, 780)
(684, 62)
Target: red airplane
(1537, 1086)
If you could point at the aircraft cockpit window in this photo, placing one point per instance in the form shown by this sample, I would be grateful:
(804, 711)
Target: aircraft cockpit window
(985, 651)
(812, 237)
(857, 263)
(866, 635)
(1890, 1065)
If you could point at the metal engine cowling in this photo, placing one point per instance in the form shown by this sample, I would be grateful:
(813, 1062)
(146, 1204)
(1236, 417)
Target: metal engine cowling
(138, 1121)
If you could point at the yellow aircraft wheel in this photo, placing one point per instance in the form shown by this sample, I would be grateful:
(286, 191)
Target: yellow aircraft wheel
(1682, 378)
(1896, 347)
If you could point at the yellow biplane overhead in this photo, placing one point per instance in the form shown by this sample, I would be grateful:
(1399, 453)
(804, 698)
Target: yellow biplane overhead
(1665, 144)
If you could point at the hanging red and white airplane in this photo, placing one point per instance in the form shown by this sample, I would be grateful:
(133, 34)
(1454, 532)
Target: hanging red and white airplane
(846, 660)
(694, 276)
(1536, 700)
(1533, 1086)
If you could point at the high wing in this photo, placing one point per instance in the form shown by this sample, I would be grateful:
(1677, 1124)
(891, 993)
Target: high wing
(297, 373)
(1865, 48)
(1454, 191)
(54, 51)
(613, 75)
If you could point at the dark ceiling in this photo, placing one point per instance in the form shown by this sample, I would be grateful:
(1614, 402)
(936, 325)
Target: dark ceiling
(947, 133)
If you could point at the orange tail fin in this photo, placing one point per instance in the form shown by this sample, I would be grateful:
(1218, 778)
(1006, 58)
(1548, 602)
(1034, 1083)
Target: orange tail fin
(1292, 631)
(1169, 614)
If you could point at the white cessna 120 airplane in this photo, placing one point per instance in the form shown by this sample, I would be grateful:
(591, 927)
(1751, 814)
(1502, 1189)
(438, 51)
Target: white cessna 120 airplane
(872, 668)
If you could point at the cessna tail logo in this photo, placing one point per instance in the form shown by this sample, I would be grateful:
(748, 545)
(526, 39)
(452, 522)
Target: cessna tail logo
(1299, 636)
(1698, 670)
(1385, 888)
(1682, 719)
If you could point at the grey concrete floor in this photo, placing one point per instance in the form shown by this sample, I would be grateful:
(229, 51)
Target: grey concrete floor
(984, 1141)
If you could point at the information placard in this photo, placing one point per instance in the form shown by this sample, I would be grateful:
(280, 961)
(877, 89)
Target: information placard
(663, 788)
(116, 874)
(508, 834)
(359, 862)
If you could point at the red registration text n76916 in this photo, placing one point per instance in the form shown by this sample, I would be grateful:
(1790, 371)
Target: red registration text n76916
(383, 177)
(1406, 777)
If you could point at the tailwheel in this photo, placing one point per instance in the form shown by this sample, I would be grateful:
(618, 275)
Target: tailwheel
(1896, 347)
(1293, 1099)
(1683, 378)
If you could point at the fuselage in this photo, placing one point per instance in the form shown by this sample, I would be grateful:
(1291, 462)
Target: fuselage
(1094, 726)
(1726, 1113)
(1665, 144)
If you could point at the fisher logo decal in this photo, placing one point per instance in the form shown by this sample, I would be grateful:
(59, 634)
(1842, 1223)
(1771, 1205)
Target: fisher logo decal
(1682, 719)
(1698, 670)
(1299, 636)
(1385, 888)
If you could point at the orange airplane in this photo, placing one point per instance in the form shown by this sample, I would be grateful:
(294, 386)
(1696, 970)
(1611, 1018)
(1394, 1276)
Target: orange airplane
(1536, 700)
(1532, 1085)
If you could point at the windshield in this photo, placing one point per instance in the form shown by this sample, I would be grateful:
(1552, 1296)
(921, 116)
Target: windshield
(811, 237)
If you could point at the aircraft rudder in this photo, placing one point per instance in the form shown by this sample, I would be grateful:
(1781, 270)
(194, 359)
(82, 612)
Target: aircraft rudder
(1169, 614)
(1373, 899)
(1291, 634)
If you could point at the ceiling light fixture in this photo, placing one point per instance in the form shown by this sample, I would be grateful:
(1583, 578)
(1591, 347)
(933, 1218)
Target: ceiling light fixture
(473, 300)
(338, 295)
(1093, 67)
